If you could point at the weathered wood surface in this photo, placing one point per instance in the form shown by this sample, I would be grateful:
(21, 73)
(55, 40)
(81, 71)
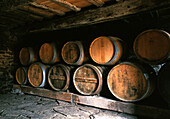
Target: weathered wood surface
(27, 55)
(49, 53)
(45, 93)
(129, 108)
(21, 75)
(59, 77)
(106, 50)
(98, 15)
(131, 82)
(152, 46)
(88, 80)
(99, 102)
(74, 53)
(37, 74)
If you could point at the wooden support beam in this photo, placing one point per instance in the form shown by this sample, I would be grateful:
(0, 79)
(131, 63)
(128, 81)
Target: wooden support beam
(45, 93)
(13, 15)
(13, 20)
(66, 4)
(28, 15)
(36, 11)
(98, 3)
(99, 102)
(103, 14)
(57, 12)
(8, 4)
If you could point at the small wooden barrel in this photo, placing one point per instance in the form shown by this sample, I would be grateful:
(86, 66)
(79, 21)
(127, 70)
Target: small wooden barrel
(87, 79)
(152, 46)
(27, 56)
(106, 50)
(73, 53)
(131, 82)
(59, 77)
(37, 74)
(21, 75)
(48, 53)
(164, 81)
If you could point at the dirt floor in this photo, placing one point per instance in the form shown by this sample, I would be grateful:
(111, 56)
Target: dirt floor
(17, 105)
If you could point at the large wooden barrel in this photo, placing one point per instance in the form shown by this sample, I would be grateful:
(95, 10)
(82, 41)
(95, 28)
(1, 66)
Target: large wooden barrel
(152, 46)
(37, 73)
(49, 53)
(21, 75)
(131, 82)
(106, 50)
(59, 77)
(87, 79)
(27, 55)
(164, 81)
(73, 53)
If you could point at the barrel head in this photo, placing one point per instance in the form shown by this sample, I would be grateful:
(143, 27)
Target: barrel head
(71, 52)
(58, 77)
(127, 82)
(152, 46)
(46, 53)
(101, 50)
(24, 56)
(35, 75)
(21, 75)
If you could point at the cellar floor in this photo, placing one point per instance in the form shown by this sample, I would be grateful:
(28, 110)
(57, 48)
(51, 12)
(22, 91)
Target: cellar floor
(17, 105)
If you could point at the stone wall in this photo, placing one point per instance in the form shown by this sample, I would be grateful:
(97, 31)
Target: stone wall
(7, 61)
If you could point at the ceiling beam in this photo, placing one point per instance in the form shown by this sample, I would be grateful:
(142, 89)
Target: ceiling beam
(98, 3)
(8, 4)
(99, 15)
(57, 12)
(66, 4)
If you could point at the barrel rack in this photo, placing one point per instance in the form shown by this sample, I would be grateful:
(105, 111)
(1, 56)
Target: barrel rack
(99, 102)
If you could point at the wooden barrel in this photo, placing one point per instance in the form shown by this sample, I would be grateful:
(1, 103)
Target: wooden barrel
(27, 56)
(48, 53)
(73, 53)
(59, 77)
(106, 50)
(131, 82)
(164, 81)
(87, 79)
(37, 74)
(152, 46)
(21, 75)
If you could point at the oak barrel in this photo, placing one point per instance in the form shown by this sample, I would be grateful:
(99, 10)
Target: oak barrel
(49, 53)
(131, 82)
(27, 55)
(37, 73)
(164, 81)
(21, 75)
(87, 79)
(106, 50)
(152, 46)
(59, 77)
(73, 53)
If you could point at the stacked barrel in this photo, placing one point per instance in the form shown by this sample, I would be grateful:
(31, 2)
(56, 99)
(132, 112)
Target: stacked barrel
(104, 62)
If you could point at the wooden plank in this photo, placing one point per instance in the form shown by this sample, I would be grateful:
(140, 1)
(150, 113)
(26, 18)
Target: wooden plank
(37, 11)
(129, 108)
(57, 12)
(28, 15)
(98, 3)
(8, 4)
(103, 14)
(66, 4)
(64, 96)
